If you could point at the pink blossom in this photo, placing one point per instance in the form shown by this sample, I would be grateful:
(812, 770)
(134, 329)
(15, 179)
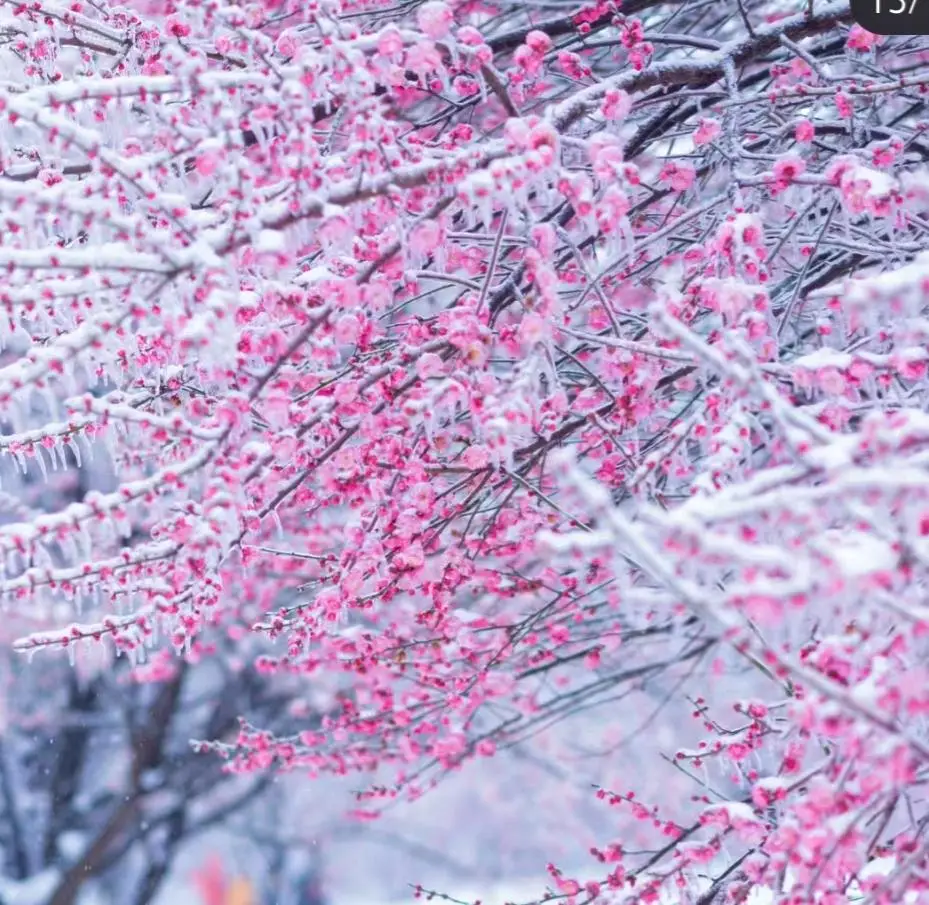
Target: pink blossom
(475, 457)
(544, 239)
(208, 162)
(680, 176)
(460, 393)
(706, 131)
(572, 65)
(528, 60)
(616, 104)
(287, 44)
(538, 42)
(426, 237)
(516, 132)
(861, 39)
(390, 41)
(469, 36)
(804, 131)
(177, 27)
(429, 365)
(607, 158)
(435, 18)
(844, 105)
(347, 328)
(788, 168)
(533, 329)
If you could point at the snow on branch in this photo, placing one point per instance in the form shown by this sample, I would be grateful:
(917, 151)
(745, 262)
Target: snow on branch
(518, 379)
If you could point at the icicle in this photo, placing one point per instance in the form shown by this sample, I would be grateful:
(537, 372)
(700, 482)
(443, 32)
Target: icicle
(40, 459)
(83, 539)
(51, 402)
(53, 453)
(60, 459)
(69, 378)
(109, 445)
(69, 548)
(15, 416)
(75, 447)
(486, 210)
(105, 532)
(88, 445)
(482, 85)
(429, 426)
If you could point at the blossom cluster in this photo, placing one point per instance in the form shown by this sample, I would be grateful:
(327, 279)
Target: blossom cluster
(485, 364)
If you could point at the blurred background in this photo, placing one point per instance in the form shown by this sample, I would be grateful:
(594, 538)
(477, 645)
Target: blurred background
(104, 800)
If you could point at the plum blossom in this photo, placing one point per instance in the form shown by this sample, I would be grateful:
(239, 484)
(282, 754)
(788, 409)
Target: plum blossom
(539, 386)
